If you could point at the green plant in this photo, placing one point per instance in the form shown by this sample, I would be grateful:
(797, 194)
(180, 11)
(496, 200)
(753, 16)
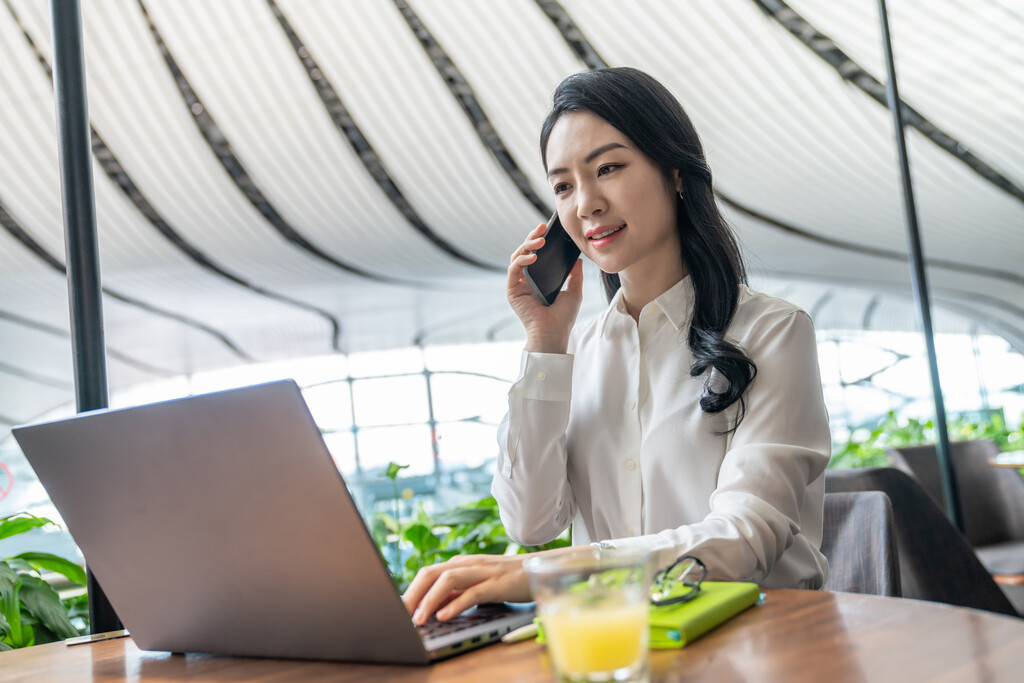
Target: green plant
(866, 446)
(31, 612)
(471, 529)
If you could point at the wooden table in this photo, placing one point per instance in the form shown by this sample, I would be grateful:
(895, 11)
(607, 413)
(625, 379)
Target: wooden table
(794, 636)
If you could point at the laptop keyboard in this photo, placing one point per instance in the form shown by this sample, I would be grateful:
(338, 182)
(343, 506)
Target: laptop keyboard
(434, 628)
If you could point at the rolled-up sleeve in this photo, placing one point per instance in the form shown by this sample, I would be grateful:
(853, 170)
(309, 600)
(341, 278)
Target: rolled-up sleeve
(766, 510)
(531, 483)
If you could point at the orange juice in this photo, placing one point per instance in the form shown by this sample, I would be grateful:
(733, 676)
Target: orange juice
(587, 638)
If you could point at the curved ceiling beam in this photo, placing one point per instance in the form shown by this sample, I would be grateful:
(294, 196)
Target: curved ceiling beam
(362, 148)
(496, 328)
(64, 334)
(54, 382)
(892, 255)
(10, 225)
(572, 34)
(825, 48)
(955, 300)
(590, 56)
(869, 311)
(463, 93)
(222, 149)
(819, 305)
(117, 173)
(420, 338)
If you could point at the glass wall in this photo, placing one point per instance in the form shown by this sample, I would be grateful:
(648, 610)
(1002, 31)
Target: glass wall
(436, 410)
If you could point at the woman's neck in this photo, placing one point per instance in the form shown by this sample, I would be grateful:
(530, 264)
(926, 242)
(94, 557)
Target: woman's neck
(637, 292)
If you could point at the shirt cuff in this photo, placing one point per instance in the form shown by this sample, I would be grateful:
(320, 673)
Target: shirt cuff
(663, 552)
(544, 377)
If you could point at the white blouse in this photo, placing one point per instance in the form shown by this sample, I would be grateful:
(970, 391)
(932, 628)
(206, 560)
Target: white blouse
(611, 438)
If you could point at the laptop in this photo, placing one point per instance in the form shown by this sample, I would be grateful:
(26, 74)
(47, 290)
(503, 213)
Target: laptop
(220, 524)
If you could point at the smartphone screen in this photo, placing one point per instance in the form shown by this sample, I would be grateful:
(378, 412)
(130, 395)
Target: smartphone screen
(554, 261)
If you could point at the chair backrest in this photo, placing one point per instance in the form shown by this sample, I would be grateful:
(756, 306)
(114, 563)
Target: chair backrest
(935, 561)
(859, 541)
(991, 498)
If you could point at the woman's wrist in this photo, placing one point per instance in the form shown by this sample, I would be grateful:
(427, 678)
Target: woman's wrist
(546, 345)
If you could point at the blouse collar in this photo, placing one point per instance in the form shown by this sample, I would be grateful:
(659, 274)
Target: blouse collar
(676, 303)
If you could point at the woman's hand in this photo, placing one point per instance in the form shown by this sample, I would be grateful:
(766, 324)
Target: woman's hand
(547, 327)
(450, 588)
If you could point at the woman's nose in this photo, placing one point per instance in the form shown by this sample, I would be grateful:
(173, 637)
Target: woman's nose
(590, 201)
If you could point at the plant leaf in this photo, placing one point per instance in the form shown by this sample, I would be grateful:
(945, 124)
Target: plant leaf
(488, 502)
(443, 555)
(5, 628)
(77, 607)
(389, 522)
(10, 607)
(462, 515)
(393, 470)
(493, 549)
(20, 565)
(8, 580)
(19, 523)
(73, 572)
(42, 602)
(40, 634)
(422, 538)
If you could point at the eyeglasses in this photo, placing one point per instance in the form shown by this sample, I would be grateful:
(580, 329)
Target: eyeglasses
(676, 584)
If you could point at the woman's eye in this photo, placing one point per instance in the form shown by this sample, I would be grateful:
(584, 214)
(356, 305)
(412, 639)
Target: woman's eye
(561, 187)
(606, 169)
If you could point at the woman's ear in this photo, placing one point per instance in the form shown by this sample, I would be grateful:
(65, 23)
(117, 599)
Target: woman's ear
(677, 181)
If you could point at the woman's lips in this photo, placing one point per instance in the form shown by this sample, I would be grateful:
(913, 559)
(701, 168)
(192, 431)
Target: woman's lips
(604, 236)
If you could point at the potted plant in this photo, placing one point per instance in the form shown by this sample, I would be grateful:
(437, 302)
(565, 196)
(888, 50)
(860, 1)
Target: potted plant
(31, 611)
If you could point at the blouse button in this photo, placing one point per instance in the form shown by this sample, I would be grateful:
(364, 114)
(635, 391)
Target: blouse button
(631, 405)
(542, 375)
(630, 464)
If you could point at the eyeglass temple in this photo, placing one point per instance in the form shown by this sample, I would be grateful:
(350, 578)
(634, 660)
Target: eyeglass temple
(693, 562)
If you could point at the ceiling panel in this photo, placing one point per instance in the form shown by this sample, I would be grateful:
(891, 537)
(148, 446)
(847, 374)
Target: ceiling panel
(218, 223)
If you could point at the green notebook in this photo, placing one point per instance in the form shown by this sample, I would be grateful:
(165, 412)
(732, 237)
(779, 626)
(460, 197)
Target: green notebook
(677, 625)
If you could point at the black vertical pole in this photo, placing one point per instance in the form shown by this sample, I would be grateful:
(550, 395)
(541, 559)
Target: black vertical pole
(84, 292)
(920, 280)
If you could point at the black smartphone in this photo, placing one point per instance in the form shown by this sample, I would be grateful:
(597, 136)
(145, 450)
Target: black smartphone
(554, 261)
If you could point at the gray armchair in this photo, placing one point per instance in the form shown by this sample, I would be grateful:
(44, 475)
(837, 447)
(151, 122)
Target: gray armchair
(859, 541)
(991, 501)
(935, 561)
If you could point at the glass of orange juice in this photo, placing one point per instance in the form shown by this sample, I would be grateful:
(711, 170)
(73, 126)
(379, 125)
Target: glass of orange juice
(593, 605)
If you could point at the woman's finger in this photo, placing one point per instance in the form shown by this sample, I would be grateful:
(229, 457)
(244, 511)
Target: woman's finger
(427, 576)
(476, 595)
(424, 579)
(526, 247)
(515, 270)
(531, 243)
(506, 581)
(451, 579)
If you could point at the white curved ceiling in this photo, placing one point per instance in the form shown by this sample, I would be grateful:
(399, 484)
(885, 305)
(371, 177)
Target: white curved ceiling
(277, 178)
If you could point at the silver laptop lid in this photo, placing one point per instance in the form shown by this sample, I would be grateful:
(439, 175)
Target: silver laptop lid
(219, 523)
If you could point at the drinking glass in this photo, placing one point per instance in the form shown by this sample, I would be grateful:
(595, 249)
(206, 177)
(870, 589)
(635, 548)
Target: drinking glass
(593, 605)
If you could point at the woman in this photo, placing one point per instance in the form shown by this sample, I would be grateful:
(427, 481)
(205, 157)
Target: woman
(688, 417)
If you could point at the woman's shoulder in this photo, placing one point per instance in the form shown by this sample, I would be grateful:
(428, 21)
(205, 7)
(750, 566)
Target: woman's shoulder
(756, 309)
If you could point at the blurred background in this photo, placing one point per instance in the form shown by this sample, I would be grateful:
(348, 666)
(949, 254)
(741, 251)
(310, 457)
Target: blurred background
(329, 191)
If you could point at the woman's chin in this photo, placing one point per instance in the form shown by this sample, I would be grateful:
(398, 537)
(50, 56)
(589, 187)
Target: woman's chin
(608, 263)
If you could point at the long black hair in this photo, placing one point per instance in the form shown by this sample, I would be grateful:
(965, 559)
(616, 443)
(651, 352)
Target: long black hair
(645, 111)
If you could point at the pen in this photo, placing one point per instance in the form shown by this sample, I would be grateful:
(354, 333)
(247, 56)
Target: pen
(521, 633)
